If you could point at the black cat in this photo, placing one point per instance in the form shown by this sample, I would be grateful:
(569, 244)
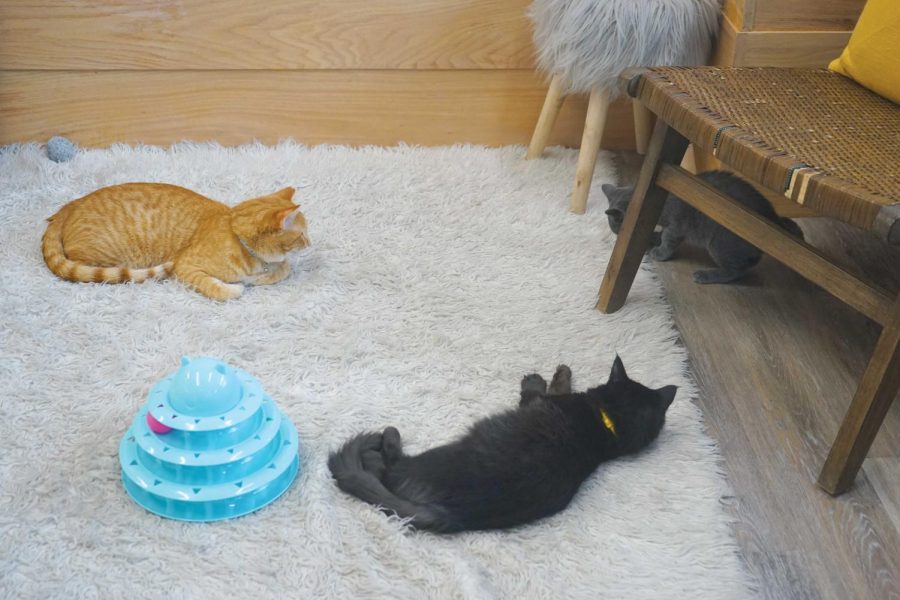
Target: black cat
(512, 468)
(682, 222)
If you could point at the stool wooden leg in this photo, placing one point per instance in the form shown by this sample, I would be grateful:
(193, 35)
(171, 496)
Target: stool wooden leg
(552, 103)
(598, 105)
(643, 126)
(877, 389)
(666, 146)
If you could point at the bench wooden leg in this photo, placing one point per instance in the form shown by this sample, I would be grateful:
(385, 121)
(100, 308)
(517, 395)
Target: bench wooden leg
(666, 146)
(643, 126)
(877, 389)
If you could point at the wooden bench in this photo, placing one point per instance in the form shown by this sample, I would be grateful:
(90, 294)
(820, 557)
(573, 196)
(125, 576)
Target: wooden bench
(810, 135)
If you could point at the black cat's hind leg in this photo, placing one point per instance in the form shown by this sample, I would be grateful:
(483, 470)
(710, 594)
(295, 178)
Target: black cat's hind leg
(391, 445)
(371, 455)
(734, 256)
(380, 451)
(533, 387)
(562, 381)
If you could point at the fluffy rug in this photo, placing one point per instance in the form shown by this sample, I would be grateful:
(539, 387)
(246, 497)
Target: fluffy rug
(437, 279)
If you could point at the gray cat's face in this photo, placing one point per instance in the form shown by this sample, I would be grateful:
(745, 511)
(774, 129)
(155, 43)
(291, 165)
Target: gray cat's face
(618, 198)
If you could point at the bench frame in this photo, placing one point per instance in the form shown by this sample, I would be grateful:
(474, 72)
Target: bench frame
(880, 382)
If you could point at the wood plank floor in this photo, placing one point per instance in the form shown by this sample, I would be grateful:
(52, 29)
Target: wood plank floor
(777, 360)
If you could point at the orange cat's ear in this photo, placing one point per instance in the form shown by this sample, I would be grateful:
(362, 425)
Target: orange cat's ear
(287, 193)
(287, 218)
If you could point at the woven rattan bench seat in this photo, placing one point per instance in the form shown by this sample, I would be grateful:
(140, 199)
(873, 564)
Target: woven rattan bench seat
(814, 136)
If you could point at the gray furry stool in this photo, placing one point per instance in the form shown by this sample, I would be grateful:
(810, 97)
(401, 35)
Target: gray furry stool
(585, 44)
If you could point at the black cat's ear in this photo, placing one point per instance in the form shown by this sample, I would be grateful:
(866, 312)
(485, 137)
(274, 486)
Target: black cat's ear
(618, 371)
(667, 394)
(608, 189)
(614, 212)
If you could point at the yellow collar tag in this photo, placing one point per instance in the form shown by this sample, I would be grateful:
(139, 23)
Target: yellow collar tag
(608, 422)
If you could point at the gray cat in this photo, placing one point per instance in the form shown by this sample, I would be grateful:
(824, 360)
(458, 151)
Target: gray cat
(682, 222)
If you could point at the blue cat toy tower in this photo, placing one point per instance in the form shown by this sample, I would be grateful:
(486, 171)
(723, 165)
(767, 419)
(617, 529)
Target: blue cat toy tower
(208, 444)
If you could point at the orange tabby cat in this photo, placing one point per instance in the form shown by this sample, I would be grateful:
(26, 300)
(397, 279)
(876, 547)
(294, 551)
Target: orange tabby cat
(135, 231)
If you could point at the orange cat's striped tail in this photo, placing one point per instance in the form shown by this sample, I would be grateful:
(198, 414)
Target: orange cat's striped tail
(59, 263)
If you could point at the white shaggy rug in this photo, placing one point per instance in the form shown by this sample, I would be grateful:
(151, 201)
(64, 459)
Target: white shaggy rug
(436, 280)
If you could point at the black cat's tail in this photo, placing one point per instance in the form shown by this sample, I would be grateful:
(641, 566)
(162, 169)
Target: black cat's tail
(348, 467)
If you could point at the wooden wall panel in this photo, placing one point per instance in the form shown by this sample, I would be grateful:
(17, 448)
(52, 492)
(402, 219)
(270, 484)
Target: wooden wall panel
(723, 54)
(276, 34)
(740, 13)
(777, 48)
(355, 71)
(790, 48)
(806, 15)
(313, 107)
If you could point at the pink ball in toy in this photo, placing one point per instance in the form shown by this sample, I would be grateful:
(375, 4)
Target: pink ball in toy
(156, 426)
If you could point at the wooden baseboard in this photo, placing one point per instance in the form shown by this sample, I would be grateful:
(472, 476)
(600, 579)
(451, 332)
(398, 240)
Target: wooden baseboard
(491, 107)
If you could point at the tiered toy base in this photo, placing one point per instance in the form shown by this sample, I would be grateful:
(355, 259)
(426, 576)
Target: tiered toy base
(210, 465)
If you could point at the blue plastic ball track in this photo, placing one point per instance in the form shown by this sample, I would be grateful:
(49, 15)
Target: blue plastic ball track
(207, 445)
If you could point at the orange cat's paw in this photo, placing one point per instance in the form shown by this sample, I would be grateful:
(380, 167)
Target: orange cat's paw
(230, 291)
(222, 291)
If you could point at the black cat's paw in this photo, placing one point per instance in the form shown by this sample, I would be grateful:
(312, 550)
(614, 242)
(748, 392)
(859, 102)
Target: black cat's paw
(563, 371)
(562, 381)
(534, 383)
(533, 388)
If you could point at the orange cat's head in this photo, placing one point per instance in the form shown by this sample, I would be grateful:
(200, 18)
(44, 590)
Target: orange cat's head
(271, 225)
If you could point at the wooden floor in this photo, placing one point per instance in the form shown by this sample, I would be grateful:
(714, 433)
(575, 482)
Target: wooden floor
(777, 361)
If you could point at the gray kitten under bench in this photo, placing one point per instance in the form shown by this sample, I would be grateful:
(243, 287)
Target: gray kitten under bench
(681, 222)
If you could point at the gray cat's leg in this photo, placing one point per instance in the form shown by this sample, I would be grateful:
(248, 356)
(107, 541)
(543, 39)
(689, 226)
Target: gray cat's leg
(733, 255)
(562, 381)
(533, 387)
(669, 241)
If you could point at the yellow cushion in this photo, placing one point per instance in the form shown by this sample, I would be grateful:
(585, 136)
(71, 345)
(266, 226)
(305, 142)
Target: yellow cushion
(872, 57)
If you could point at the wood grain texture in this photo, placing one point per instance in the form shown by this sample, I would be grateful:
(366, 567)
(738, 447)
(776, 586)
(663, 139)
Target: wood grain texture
(724, 52)
(594, 124)
(313, 107)
(777, 360)
(884, 473)
(553, 102)
(278, 34)
(789, 48)
(777, 48)
(808, 15)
